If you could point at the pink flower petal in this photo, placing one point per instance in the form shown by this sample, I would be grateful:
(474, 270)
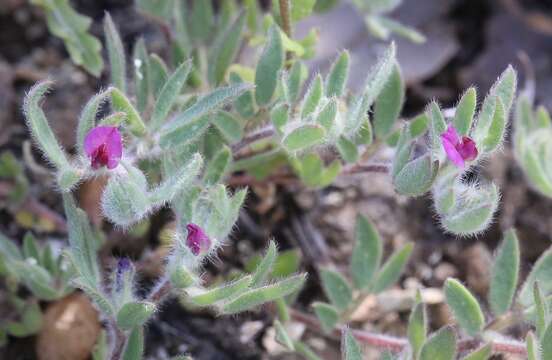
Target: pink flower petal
(452, 153)
(467, 149)
(104, 146)
(451, 135)
(197, 240)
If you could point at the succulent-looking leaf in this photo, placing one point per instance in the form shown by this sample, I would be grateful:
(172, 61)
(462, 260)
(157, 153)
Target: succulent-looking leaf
(255, 297)
(464, 306)
(440, 346)
(392, 269)
(327, 315)
(268, 67)
(350, 348)
(367, 252)
(387, 107)
(337, 289)
(465, 110)
(505, 274)
(338, 75)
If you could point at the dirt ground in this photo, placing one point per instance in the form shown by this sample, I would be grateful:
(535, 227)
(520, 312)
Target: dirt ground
(469, 43)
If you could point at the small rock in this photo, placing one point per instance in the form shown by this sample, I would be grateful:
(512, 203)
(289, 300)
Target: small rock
(249, 330)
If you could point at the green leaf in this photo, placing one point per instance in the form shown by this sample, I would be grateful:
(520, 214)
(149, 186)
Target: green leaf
(546, 343)
(116, 54)
(350, 348)
(244, 104)
(505, 273)
(541, 272)
(312, 97)
(9, 249)
(40, 130)
(417, 328)
(465, 110)
(268, 67)
(190, 120)
(30, 247)
(169, 93)
(87, 118)
(497, 129)
(301, 9)
(224, 50)
(440, 346)
(387, 107)
(483, 353)
(160, 9)
(303, 137)
(416, 177)
(392, 269)
(505, 88)
(135, 345)
(125, 200)
(64, 22)
(347, 149)
(265, 266)
(297, 76)
(339, 73)
(418, 126)
(533, 351)
(282, 336)
(201, 20)
(255, 297)
(337, 289)
(142, 75)
(367, 252)
(217, 167)
(464, 306)
(279, 116)
(158, 73)
(134, 314)
(305, 351)
(122, 103)
(437, 127)
(541, 311)
(230, 127)
(224, 292)
(327, 315)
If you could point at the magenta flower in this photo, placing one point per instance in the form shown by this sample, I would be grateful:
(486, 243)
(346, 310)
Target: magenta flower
(104, 147)
(197, 240)
(459, 150)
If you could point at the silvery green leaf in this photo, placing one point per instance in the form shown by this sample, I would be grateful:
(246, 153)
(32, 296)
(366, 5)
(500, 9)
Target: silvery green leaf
(230, 127)
(312, 97)
(134, 348)
(282, 336)
(265, 266)
(223, 292)
(337, 289)
(436, 128)
(64, 22)
(97, 296)
(327, 315)
(396, 27)
(541, 310)
(387, 107)
(416, 177)
(403, 153)
(169, 93)
(181, 277)
(9, 249)
(392, 269)
(347, 149)
(268, 67)
(473, 208)
(297, 76)
(418, 126)
(365, 134)
(171, 186)
(158, 73)
(464, 306)
(440, 346)
(546, 343)
(327, 115)
(417, 328)
(367, 252)
(121, 103)
(350, 349)
(279, 116)
(100, 350)
(224, 50)
(201, 20)
(483, 353)
(505, 273)
(217, 166)
(30, 247)
(36, 279)
(115, 53)
(497, 129)
(541, 272)
(87, 118)
(533, 350)
(30, 323)
(244, 104)
(338, 75)
(190, 119)
(134, 314)
(140, 62)
(255, 297)
(465, 110)
(82, 241)
(40, 130)
(303, 137)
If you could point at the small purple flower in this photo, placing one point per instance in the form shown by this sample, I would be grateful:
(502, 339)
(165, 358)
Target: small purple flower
(459, 150)
(197, 240)
(104, 147)
(123, 265)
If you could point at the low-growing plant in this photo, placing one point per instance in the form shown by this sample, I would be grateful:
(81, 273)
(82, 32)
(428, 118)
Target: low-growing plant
(177, 133)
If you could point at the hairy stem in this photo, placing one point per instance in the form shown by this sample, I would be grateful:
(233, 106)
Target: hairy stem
(285, 15)
(119, 341)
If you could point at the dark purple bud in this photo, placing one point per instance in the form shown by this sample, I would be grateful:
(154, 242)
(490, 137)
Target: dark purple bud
(124, 265)
(197, 240)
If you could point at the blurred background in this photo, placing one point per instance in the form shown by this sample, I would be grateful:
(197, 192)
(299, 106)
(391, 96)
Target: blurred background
(468, 43)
